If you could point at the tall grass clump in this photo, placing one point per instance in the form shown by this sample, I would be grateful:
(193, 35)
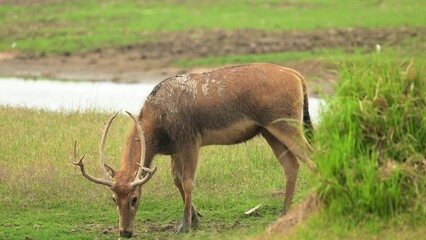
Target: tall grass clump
(371, 141)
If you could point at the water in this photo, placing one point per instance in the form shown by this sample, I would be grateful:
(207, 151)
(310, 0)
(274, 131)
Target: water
(73, 96)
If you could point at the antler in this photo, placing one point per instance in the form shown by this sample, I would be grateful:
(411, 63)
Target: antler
(83, 171)
(150, 172)
(105, 180)
(102, 147)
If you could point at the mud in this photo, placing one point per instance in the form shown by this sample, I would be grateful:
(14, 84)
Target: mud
(197, 43)
(152, 60)
(167, 227)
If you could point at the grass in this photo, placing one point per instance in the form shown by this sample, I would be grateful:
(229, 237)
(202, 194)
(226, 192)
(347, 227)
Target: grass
(44, 196)
(370, 154)
(319, 54)
(73, 26)
(319, 228)
(370, 151)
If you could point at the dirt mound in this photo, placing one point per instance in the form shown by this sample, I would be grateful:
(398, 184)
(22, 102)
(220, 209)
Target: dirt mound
(297, 216)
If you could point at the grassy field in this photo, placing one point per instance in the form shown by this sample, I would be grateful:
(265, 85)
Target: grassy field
(45, 196)
(370, 144)
(369, 150)
(72, 26)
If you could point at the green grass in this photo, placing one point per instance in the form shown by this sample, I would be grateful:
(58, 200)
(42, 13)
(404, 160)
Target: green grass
(370, 154)
(72, 26)
(44, 196)
(370, 151)
(283, 57)
(317, 227)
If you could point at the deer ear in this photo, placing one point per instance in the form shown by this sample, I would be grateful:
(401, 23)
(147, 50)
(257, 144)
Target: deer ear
(111, 172)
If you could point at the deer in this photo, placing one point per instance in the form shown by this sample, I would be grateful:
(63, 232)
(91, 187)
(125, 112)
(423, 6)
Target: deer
(225, 106)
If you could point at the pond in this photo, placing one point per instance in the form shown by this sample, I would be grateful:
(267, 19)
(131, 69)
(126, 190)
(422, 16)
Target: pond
(74, 96)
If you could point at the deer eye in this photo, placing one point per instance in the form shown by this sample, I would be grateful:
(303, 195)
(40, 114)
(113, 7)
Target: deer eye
(134, 201)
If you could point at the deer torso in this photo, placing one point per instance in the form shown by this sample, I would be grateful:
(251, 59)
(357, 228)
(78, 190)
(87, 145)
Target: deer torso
(225, 106)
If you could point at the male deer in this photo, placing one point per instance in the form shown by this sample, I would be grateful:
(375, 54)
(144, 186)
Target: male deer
(226, 106)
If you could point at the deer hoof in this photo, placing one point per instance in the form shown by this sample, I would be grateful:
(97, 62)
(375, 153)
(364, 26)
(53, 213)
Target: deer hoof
(195, 219)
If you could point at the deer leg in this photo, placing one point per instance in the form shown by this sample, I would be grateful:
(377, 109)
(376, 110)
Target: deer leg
(177, 171)
(188, 161)
(292, 137)
(290, 165)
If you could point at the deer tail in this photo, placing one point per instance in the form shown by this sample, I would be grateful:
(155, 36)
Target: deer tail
(307, 123)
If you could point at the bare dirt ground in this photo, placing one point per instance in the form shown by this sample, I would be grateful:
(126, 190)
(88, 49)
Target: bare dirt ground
(152, 61)
(287, 223)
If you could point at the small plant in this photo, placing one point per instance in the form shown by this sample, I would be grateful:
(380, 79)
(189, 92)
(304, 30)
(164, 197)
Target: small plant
(371, 141)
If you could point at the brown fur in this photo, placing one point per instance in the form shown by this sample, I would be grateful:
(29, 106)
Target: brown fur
(225, 106)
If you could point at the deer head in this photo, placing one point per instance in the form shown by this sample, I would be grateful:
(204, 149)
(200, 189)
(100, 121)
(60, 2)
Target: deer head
(125, 185)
